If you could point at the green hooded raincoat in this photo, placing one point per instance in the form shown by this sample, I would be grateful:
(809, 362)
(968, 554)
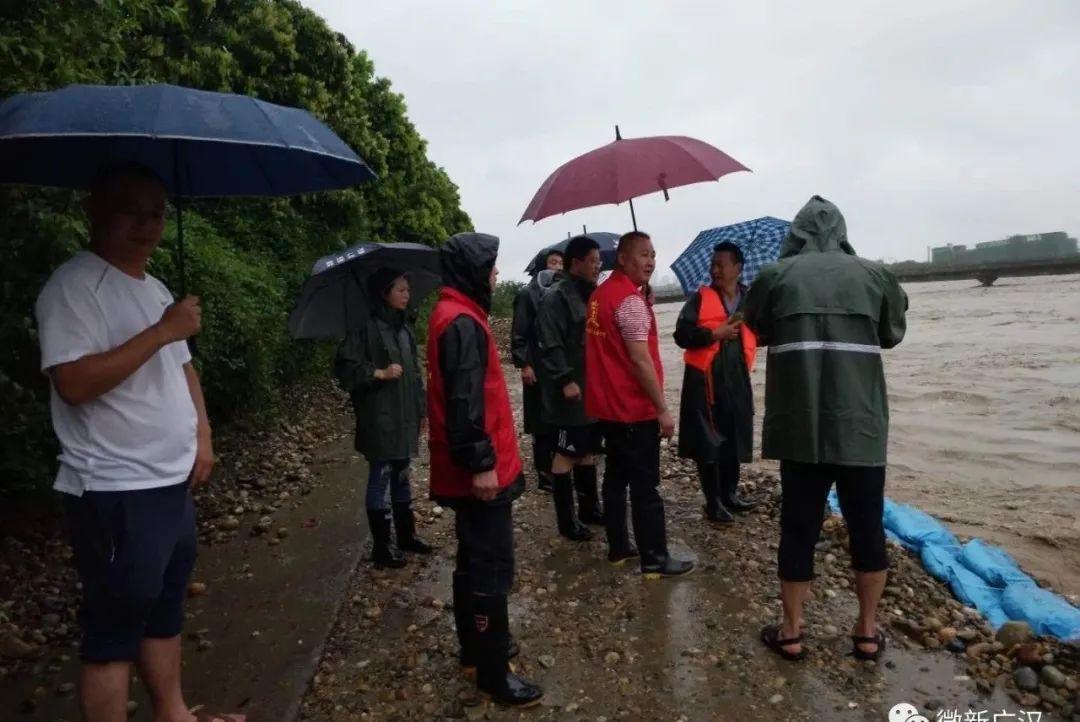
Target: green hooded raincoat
(825, 315)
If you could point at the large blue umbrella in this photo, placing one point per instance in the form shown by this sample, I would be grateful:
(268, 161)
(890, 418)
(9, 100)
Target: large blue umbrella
(606, 241)
(199, 143)
(759, 240)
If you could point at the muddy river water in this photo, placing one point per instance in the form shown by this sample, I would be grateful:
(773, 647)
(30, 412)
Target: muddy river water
(985, 402)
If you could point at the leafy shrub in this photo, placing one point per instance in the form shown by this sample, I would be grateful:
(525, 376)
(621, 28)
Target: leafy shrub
(246, 257)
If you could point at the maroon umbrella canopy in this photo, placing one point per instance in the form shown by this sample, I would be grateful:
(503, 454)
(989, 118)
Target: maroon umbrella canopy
(625, 169)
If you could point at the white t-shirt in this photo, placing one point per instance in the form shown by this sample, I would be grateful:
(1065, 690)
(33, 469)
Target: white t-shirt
(141, 434)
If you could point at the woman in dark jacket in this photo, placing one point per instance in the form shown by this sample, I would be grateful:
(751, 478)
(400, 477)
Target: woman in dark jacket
(377, 365)
(716, 411)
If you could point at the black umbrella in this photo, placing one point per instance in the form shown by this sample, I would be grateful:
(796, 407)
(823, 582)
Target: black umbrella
(335, 299)
(606, 241)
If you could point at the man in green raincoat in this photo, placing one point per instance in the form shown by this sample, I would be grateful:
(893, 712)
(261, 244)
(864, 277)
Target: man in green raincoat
(826, 315)
(525, 352)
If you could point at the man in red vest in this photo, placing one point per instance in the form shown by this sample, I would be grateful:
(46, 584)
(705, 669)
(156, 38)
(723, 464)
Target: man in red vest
(716, 411)
(475, 466)
(624, 390)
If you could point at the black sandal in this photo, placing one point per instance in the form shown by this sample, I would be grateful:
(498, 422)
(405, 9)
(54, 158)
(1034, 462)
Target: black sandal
(878, 639)
(770, 637)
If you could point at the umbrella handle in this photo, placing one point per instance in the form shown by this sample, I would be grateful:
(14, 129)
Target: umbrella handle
(180, 246)
(179, 217)
(193, 343)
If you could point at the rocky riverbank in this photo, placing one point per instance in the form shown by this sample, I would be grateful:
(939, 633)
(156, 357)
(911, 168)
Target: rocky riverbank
(608, 645)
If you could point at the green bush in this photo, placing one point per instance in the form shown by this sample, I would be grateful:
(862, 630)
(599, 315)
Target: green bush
(246, 257)
(502, 301)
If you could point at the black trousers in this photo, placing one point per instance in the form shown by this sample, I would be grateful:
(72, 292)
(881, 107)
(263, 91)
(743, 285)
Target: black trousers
(723, 472)
(861, 492)
(485, 552)
(727, 461)
(633, 462)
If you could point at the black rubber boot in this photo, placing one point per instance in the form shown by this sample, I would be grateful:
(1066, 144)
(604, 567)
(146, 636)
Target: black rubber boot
(567, 520)
(405, 526)
(709, 476)
(463, 623)
(543, 451)
(729, 490)
(383, 552)
(651, 533)
(588, 495)
(491, 632)
(620, 548)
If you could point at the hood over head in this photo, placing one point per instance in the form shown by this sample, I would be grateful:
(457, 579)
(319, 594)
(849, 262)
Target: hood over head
(466, 260)
(546, 277)
(818, 228)
(539, 263)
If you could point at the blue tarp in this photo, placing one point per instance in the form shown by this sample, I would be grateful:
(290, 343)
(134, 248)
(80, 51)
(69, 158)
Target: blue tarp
(979, 574)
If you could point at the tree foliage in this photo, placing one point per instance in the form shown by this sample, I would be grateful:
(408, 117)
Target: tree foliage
(246, 257)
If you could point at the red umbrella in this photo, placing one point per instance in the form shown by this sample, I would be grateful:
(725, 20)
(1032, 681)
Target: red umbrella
(624, 169)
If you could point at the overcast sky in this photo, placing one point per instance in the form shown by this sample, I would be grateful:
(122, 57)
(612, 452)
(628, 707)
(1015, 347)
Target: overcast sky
(926, 122)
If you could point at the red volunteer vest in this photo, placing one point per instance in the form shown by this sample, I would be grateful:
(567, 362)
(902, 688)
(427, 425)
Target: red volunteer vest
(612, 393)
(713, 315)
(447, 478)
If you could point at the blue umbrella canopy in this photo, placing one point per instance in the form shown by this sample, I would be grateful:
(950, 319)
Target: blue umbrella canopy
(606, 241)
(759, 240)
(336, 299)
(199, 143)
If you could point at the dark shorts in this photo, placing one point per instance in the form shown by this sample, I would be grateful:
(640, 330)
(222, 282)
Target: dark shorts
(576, 442)
(134, 553)
(805, 487)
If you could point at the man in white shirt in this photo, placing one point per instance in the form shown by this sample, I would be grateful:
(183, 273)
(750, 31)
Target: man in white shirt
(128, 410)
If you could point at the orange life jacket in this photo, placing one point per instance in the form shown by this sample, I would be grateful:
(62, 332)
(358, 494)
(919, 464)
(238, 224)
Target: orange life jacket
(713, 315)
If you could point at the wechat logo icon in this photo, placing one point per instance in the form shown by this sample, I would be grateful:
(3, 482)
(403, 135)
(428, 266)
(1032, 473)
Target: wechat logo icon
(905, 712)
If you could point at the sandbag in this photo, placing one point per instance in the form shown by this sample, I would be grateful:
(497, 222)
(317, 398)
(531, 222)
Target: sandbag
(1046, 612)
(971, 589)
(993, 564)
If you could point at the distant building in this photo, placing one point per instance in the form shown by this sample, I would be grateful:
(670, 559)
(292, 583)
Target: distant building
(1014, 249)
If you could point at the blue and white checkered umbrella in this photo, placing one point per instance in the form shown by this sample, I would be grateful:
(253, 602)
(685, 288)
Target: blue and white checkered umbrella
(759, 240)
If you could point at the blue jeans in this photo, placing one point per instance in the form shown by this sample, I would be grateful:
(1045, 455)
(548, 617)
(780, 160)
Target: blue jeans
(393, 474)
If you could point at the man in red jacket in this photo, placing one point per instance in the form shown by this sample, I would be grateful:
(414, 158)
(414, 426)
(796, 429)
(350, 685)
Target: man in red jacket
(475, 466)
(624, 389)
